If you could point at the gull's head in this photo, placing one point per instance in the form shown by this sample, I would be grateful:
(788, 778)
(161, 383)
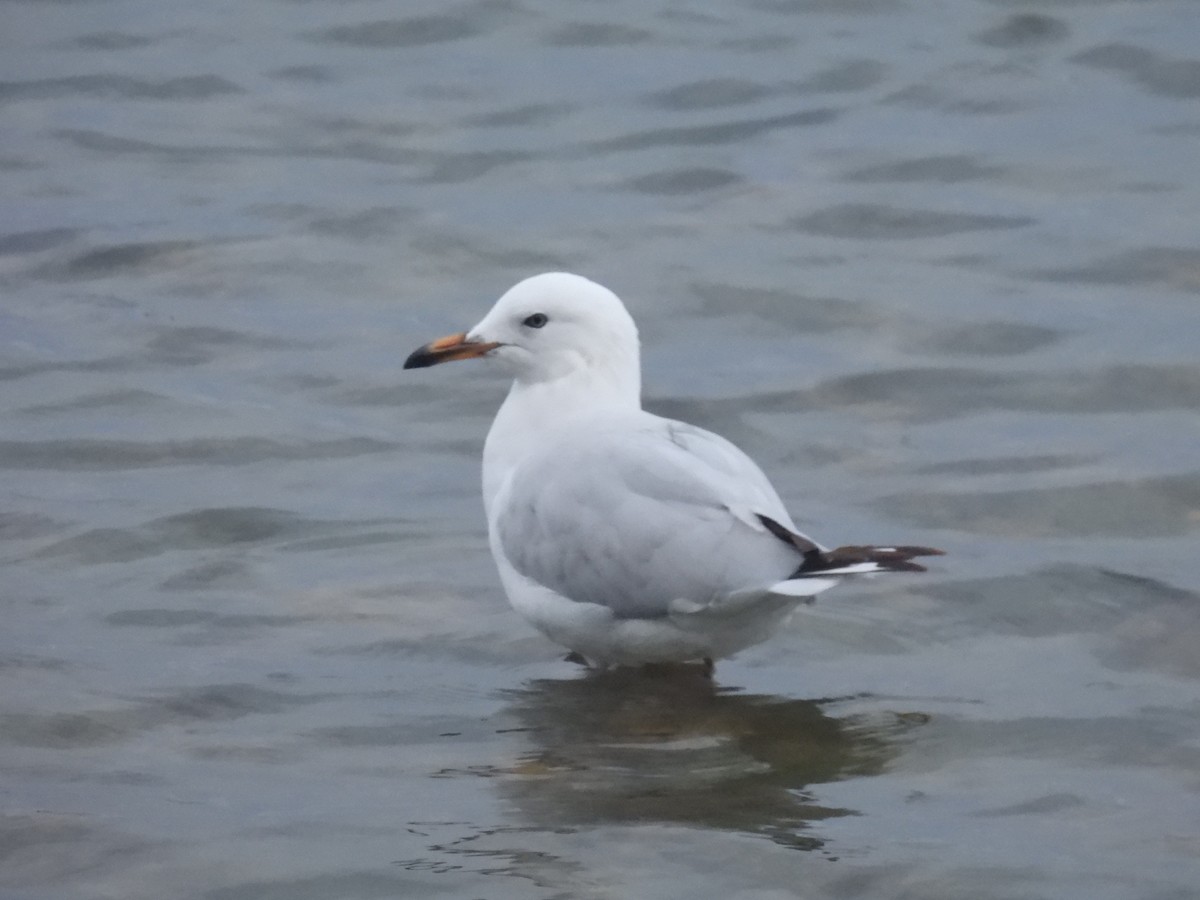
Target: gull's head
(547, 327)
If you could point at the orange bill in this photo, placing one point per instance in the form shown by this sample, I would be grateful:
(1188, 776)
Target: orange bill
(448, 349)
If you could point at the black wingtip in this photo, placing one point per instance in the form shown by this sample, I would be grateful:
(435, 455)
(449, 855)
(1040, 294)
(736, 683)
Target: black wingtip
(889, 559)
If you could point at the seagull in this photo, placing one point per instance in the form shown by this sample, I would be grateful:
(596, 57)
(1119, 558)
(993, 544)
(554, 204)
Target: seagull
(627, 537)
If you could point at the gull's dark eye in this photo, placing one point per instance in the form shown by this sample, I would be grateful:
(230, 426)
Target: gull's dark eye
(537, 320)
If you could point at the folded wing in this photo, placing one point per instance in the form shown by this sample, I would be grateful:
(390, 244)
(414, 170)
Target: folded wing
(637, 513)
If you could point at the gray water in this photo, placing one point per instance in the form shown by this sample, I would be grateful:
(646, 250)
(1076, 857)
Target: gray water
(935, 265)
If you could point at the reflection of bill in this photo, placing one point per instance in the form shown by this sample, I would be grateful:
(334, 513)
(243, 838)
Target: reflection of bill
(667, 746)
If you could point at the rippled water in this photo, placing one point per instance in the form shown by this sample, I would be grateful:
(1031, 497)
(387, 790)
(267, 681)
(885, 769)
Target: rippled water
(935, 265)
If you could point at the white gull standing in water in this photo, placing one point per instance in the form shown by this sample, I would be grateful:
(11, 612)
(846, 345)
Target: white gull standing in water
(624, 536)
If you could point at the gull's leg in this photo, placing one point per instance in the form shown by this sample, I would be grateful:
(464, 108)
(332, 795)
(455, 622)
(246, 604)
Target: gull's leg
(708, 667)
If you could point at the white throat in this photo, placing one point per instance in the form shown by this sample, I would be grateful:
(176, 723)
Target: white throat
(533, 409)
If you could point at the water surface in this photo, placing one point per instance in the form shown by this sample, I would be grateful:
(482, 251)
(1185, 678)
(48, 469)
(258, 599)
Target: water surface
(934, 265)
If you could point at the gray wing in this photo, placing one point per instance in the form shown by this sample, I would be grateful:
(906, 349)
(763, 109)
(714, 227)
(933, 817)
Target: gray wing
(636, 514)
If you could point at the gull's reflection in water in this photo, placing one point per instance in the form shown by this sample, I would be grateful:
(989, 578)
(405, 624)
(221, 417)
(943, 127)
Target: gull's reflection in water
(668, 746)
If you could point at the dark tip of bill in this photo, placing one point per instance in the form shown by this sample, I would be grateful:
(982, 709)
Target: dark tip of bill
(420, 358)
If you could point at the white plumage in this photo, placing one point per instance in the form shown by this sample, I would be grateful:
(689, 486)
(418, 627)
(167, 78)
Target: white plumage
(627, 537)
